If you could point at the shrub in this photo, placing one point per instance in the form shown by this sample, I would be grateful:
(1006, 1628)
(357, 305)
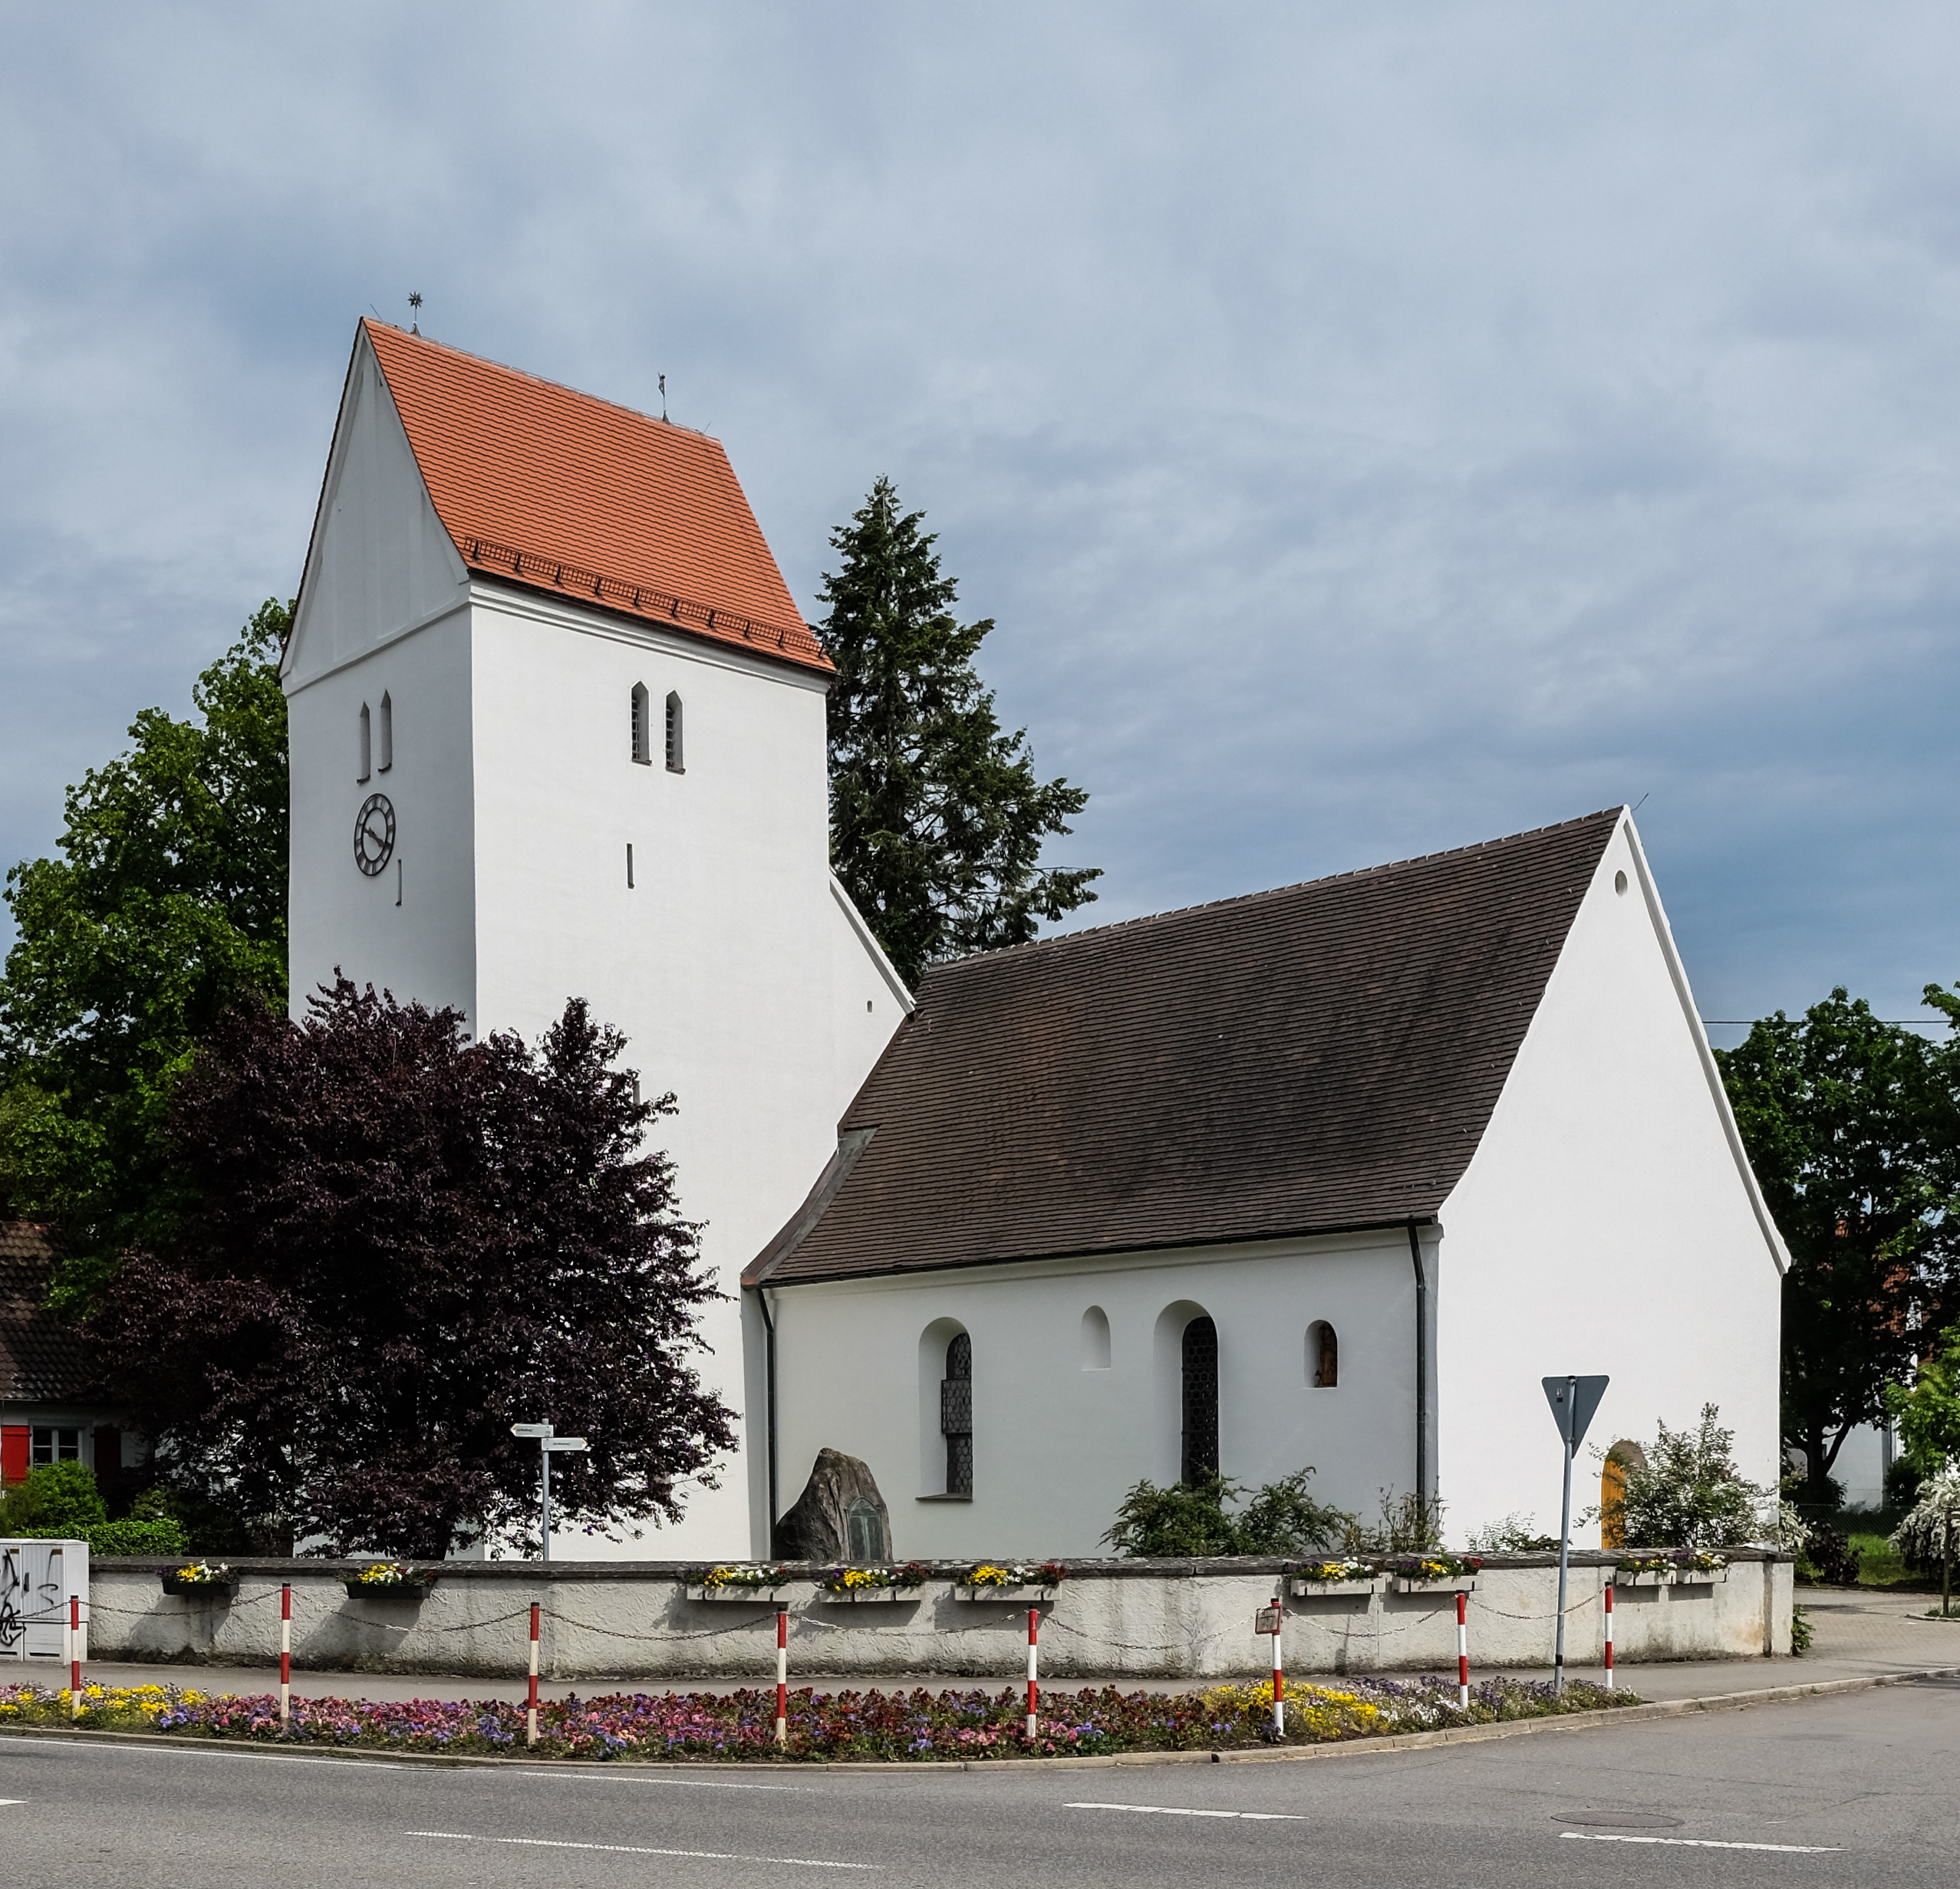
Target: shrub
(1832, 1557)
(1902, 1484)
(1688, 1493)
(58, 1500)
(1193, 1519)
(160, 1536)
(1513, 1534)
(1931, 1533)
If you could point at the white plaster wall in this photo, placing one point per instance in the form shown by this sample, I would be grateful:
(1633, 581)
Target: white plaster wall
(1605, 1224)
(721, 962)
(424, 945)
(1056, 1446)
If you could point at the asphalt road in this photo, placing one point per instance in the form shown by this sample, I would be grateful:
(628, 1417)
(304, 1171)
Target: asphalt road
(1854, 1790)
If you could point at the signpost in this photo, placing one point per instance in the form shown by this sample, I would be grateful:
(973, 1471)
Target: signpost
(547, 1443)
(1573, 1401)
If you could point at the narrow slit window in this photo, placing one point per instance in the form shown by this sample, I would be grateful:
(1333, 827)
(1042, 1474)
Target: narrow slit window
(1323, 1356)
(643, 732)
(384, 746)
(676, 759)
(367, 745)
(629, 865)
(956, 1415)
(1198, 1458)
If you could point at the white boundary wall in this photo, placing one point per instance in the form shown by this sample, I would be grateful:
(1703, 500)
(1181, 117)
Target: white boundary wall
(1135, 1618)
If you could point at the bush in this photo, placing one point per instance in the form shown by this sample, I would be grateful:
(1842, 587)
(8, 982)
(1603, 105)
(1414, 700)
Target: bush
(1901, 1485)
(1688, 1493)
(1932, 1532)
(161, 1536)
(1513, 1534)
(58, 1500)
(1831, 1556)
(1192, 1519)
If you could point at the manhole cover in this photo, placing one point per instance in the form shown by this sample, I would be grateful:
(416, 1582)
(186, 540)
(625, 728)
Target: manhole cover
(1620, 1819)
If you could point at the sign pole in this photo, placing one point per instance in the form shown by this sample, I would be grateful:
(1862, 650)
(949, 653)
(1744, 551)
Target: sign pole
(1565, 1534)
(545, 1495)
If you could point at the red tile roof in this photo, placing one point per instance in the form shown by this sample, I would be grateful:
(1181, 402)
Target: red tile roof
(42, 1359)
(553, 489)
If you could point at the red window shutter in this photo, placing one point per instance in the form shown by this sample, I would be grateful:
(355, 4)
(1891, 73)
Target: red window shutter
(14, 1438)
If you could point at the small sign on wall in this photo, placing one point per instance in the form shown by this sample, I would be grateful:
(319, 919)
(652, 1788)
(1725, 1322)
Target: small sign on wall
(1267, 1619)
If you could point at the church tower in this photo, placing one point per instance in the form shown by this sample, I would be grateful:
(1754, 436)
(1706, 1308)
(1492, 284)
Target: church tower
(556, 730)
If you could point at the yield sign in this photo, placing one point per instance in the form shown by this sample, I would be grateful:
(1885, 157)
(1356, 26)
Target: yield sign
(1573, 1401)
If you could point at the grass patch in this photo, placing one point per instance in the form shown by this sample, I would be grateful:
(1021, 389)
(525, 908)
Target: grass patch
(918, 1724)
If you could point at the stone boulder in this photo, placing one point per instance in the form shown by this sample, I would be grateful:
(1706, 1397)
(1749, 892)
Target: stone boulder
(839, 1517)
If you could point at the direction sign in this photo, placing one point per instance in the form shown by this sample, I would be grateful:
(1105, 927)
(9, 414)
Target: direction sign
(530, 1429)
(564, 1442)
(1573, 1401)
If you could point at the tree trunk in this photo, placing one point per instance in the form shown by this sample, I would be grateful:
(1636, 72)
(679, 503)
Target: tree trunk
(1816, 1466)
(1946, 1568)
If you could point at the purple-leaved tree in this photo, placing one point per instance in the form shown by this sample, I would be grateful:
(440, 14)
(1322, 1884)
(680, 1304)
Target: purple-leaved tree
(400, 1242)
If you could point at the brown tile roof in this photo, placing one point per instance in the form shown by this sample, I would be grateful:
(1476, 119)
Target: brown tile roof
(1321, 1057)
(546, 487)
(42, 1360)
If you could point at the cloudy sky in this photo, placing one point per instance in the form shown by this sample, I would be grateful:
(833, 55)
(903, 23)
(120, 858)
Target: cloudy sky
(1374, 427)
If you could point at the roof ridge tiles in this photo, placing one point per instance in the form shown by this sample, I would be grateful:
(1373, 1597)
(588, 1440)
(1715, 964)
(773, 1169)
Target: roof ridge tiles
(1143, 918)
(524, 373)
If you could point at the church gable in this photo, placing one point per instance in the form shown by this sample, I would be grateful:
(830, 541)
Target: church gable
(1321, 1058)
(381, 560)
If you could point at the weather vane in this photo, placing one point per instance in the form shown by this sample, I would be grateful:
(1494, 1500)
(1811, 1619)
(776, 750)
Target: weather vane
(414, 308)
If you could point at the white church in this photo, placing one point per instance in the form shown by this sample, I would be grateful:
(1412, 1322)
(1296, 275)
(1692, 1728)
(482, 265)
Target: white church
(1333, 1174)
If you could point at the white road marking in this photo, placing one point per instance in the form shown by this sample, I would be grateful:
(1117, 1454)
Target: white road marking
(1171, 1810)
(1707, 1843)
(675, 1784)
(634, 1849)
(215, 1751)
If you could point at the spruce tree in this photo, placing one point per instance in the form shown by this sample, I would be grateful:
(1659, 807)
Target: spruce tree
(937, 820)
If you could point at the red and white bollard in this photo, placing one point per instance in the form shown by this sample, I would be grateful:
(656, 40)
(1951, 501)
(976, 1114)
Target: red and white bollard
(74, 1656)
(1279, 1670)
(530, 1705)
(285, 1653)
(1609, 1636)
(1034, 1683)
(1463, 1652)
(782, 1676)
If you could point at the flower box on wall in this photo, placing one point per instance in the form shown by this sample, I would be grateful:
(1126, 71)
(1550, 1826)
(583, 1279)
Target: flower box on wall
(1010, 1597)
(410, 1591)
(851, 1595)
(753, 1597)
(1328, 1590)
(200, 1590)
(1463, 1584)
(1698, 1577)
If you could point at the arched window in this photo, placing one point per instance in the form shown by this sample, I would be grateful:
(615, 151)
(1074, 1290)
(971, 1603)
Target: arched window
(367, 745)
(864, 1531)
(1199, 1455)
(675, 763)
(1095, 1339)
(956, 1415)
(643, 729)
(1323, 1355)
(384, 746)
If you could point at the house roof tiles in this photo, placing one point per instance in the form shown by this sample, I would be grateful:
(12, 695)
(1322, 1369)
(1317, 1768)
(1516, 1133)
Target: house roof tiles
(1321, 1057)
(42, 1360)
(544, 486)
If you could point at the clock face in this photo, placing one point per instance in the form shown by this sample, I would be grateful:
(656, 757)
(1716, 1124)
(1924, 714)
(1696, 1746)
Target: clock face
(374, 833)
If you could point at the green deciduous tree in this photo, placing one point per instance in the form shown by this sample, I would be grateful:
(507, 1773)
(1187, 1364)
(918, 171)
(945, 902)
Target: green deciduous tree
(1851, 1126)
(167, 904)
(1928, 1415)
(937, 819)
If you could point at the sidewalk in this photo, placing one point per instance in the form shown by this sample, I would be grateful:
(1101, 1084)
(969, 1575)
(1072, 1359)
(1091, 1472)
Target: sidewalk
(1860, 1633)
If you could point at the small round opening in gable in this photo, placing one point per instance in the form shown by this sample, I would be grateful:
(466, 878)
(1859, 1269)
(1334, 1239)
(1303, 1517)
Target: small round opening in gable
(1619, 883)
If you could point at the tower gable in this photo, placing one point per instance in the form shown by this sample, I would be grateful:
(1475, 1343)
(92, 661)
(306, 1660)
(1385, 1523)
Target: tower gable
(380, 561)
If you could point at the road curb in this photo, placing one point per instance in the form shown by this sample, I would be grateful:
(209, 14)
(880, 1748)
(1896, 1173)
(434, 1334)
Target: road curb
(1343, 1748)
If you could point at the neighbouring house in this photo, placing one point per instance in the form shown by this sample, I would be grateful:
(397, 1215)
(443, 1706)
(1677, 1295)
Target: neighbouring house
(46, 1414)
(1335, 1174)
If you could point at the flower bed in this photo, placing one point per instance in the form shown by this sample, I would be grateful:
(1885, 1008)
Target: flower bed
(917, 1725)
